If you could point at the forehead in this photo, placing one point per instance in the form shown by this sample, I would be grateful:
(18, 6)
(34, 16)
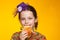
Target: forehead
(27, 13)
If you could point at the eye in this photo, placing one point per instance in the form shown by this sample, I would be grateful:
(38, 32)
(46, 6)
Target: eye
(30, 18)
(22, 18)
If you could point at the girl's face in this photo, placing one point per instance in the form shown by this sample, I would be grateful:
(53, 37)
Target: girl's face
(27, 18)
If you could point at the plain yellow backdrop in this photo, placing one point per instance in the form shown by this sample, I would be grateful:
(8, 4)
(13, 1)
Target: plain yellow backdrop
(48, 12)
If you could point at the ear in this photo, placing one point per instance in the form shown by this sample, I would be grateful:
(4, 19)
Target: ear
(36, 20)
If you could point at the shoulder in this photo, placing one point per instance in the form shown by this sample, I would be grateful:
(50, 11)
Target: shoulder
(15, 36)
(40, 36)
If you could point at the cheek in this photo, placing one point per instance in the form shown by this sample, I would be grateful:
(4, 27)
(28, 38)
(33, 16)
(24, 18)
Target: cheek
(22, 22)
(32, 22)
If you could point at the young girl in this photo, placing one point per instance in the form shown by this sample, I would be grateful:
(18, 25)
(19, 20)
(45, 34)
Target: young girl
(28, 18)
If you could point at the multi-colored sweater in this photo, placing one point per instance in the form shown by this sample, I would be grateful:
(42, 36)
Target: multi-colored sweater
(34, 36)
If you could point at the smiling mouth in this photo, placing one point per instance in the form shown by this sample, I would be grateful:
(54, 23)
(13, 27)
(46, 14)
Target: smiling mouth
(27, 25)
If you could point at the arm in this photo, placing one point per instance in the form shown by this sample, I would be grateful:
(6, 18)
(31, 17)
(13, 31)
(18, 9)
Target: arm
(40, 37)
(15, 36)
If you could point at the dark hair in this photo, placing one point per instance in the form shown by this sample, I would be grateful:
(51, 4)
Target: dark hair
(30, 8)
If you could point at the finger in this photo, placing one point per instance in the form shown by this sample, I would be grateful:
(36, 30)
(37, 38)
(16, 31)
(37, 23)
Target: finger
(24, 32)
(25, 37)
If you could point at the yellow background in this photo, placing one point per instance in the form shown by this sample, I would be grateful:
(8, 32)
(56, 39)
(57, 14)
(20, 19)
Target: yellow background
(48, 17)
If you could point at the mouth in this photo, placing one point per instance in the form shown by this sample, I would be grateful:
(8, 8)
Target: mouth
(28, 25)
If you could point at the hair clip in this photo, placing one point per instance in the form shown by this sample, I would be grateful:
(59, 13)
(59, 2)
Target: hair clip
(21, 7)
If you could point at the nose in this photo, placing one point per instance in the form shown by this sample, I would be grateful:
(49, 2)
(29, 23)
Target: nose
(26, 22)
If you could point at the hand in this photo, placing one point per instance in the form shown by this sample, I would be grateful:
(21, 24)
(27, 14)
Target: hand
(23, 35)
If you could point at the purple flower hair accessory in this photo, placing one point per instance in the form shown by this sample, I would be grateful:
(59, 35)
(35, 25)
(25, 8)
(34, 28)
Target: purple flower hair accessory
(21, 7)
